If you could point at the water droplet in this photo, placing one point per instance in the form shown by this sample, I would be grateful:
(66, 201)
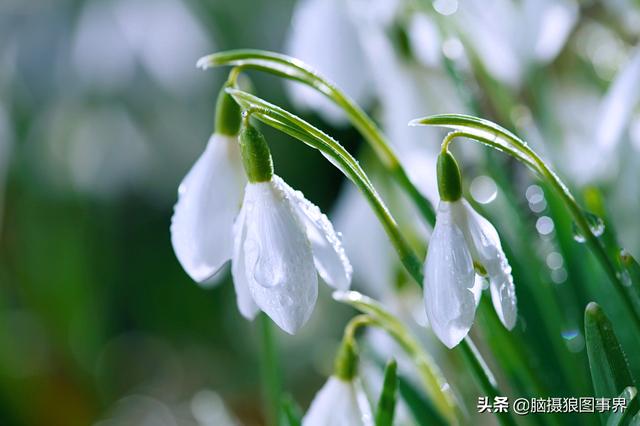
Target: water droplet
(625, 277)
(445, 7)
(483, 189)
(574, 340)
(544, 225)
(596, 225)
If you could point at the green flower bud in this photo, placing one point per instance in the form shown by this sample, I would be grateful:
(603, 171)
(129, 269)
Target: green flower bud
(256, 156)
(449, 180)
(228, 114)
(346, 363)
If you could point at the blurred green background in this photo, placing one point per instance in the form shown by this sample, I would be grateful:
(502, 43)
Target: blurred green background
(102, 112)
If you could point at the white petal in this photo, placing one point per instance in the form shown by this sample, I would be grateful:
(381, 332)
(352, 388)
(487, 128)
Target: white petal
(555, 19)
(339, 403)
(485, 247)
(449, 286)
(366, 243)
(208, 201)
(503, 296)
(278, 260)
(246, 305)
(328, 254)
(618, 105)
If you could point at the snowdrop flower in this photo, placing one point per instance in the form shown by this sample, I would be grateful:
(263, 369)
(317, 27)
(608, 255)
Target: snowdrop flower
(463, 243)
(278, 243)
(341, 401)
(510, 36)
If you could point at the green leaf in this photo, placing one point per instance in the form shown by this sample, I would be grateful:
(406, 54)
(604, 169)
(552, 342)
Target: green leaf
(609, 369)
(290, 413)
(421, 409)
(387, 402)
(631, 276)
(624, 417)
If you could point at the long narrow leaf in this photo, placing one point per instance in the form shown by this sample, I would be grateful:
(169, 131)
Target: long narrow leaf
(622, 416)
(387, 401)
(421, 409)
(609, 369)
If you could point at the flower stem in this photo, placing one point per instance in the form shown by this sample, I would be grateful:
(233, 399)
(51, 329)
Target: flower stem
(483, 376)
(269, 371)
(346, 362)
(294, 69)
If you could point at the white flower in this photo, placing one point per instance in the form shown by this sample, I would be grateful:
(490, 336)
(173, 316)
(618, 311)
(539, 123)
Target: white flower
(278, 242)
(509, 37)
(209, 199)
(339, 403)
(461, 240)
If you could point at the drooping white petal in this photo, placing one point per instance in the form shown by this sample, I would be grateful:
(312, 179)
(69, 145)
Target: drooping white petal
(484, 245)
(339, 403)
(208, 201)
(246, 305)
(277, 257)
(449, 283)
(503, 294)
(328, 254)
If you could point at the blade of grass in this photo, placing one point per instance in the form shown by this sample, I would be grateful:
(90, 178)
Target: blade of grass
(609, 369)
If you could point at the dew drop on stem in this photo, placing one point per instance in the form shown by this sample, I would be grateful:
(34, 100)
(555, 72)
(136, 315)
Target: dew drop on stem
(596, 225)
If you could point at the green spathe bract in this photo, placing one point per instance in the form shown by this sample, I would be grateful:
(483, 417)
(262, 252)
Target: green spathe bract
(256, 156)
(449, 179)
(228, 114)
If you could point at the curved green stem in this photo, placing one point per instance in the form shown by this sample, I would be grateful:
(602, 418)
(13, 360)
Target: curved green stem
(294, 126)
(294, 69)
(433, 380)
